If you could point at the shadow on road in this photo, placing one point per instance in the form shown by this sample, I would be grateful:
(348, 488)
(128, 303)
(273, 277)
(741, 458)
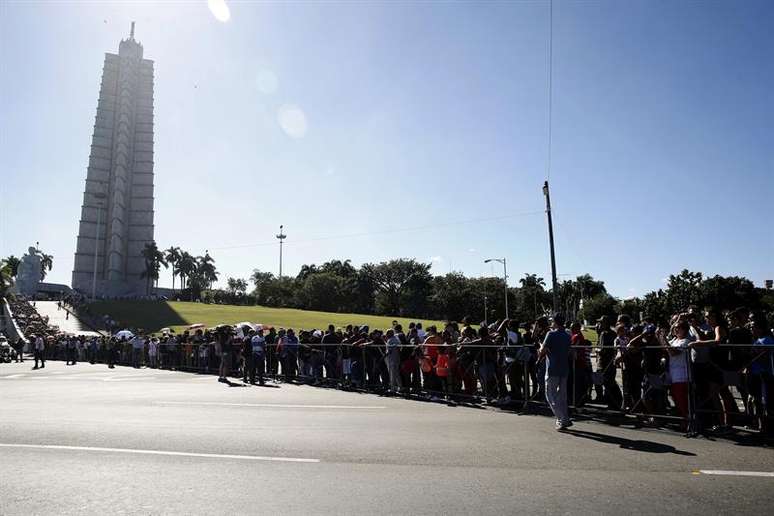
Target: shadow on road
(629, 444)
(234, 384)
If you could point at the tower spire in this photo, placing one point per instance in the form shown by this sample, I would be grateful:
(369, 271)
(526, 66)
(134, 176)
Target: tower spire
(131, 32)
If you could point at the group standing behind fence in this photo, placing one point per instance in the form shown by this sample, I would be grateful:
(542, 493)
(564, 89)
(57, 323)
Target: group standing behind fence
(706, 371)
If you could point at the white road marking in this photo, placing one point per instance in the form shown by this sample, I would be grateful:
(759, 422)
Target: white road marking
(156, 452)
(12, 376)
(129, 377)
(726, 472)
(271, 405)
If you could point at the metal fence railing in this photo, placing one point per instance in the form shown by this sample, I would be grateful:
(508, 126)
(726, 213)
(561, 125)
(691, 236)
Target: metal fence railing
(738, 393)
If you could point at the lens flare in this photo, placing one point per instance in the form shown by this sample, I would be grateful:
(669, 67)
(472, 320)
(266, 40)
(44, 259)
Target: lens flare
(292, 120)
(219, 10)
(266, 81)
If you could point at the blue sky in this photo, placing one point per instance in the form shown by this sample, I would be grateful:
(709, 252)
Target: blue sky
(359, 118)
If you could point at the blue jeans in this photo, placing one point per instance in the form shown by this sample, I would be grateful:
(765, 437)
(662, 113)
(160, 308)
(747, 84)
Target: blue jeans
(556, 396)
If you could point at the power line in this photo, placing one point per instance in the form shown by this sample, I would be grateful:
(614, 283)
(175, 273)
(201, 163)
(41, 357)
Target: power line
(550, 82)
(382, 232)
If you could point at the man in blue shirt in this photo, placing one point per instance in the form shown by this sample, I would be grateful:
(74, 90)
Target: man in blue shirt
(256, 362)
(556, 351)
(761, 374)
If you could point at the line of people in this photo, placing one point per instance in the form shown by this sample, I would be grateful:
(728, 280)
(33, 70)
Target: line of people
(695, 365)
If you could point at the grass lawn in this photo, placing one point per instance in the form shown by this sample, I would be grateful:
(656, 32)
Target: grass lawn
(154, 315)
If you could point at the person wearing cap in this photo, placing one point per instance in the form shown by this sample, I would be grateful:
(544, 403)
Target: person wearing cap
(556, 351)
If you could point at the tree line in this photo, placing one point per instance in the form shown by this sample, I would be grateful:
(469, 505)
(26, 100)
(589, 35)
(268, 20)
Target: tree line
(406, 287)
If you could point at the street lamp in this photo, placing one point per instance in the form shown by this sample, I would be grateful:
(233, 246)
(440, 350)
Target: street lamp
(505, 279)
(281, 237)
(99, 201)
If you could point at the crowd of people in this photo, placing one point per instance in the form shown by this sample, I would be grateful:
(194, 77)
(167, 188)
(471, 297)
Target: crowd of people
(705, 370)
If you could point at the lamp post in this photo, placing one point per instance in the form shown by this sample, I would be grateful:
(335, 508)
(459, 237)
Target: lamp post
(505, 279)
(98, 196)
(281, 237)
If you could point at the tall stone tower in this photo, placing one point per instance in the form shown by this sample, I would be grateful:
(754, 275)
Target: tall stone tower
(117, 212)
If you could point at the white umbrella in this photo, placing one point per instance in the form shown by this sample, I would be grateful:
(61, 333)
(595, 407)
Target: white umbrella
(240, 328)
(124, 334)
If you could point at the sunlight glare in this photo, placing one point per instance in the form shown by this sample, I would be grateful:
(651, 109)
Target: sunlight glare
(219, 10)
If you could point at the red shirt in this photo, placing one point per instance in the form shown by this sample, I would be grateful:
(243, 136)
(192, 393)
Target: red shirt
(581, 352)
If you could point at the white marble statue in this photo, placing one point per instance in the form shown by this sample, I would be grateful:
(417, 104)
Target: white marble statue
(28, 273)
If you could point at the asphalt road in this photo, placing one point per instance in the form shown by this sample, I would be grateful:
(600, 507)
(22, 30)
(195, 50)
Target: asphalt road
(88, 440)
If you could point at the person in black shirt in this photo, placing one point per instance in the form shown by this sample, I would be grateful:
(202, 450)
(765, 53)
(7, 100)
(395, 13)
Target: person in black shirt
(248, 361)
(654, 394)
(224, 343)
(271, 352)
(739, 337)
(606, 365)
(329, 346)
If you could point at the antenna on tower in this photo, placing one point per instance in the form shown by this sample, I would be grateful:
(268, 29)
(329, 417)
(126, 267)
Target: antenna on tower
(131, 32)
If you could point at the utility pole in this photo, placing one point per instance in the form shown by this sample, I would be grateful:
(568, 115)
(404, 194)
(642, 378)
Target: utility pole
(281, 237)
(554, 286)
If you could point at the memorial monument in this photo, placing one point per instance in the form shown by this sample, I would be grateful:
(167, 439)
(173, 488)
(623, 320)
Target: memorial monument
(117, 211)
(28, 273)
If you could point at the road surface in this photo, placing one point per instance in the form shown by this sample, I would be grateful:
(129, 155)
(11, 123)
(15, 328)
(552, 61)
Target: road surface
(85, 439)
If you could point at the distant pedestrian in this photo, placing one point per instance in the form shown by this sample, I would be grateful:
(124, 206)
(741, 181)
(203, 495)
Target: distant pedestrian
(19, 347)
(110, 352)
(71, 347)
(138, 349)
(39, 352)
(556, 351)
(153, 352)
(392, 359)
(223, 344)
(288, 346)
(257, 363)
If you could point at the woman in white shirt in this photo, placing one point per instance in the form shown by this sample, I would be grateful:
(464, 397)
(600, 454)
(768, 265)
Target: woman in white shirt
(677, 348)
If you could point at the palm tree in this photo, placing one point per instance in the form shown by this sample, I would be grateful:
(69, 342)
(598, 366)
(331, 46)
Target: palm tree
(534, 283)
(46, 262)
(206, 269)
(185, 268)
(173, 256)
(154, 259)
